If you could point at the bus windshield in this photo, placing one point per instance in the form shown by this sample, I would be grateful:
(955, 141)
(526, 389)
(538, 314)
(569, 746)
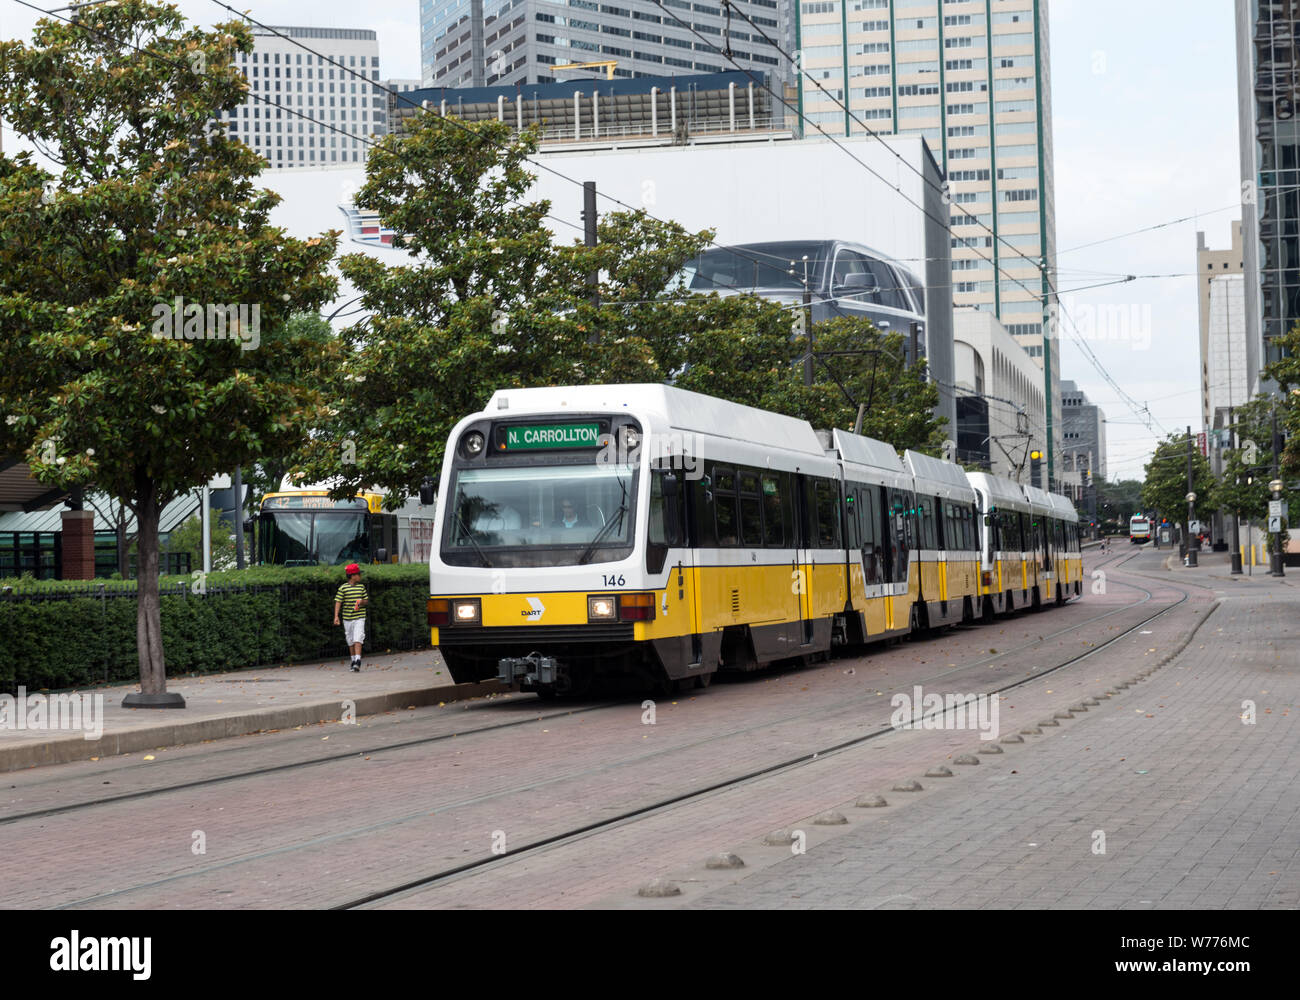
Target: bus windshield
(540, 515)
(313, 538)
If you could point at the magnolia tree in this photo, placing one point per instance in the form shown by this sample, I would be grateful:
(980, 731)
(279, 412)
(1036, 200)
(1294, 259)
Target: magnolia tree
(137, 277)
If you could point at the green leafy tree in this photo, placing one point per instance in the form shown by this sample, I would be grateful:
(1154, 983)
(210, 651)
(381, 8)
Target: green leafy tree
(1248, 468)
(188, 537)
(1117, 502)
(152, 201)
(1165, 487)
(871, 369)
(1286, 373)
(265, 473)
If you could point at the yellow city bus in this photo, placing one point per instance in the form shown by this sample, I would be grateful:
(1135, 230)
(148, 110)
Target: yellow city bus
(304, 527)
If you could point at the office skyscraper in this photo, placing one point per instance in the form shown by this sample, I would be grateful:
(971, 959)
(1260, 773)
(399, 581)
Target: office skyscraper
(336, 112)
(475, 43)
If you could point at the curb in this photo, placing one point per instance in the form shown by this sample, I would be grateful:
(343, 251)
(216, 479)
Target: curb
(73, 748)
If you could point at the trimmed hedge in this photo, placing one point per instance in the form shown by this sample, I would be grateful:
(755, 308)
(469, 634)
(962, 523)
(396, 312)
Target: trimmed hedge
(65, 634)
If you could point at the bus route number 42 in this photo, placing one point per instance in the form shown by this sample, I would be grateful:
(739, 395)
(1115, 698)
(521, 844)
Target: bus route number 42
(613, 581)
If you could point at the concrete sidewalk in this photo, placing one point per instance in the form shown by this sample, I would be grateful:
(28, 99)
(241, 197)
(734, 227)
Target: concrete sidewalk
(1218, 565)
(232, 704)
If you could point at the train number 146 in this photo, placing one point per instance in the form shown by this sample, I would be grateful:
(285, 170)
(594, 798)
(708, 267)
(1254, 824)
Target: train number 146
(613, 581)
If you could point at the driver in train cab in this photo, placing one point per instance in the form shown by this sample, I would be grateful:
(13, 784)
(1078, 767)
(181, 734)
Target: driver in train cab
(569, 516)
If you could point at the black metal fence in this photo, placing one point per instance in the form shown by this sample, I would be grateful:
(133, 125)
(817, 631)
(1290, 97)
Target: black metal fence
(77, 634)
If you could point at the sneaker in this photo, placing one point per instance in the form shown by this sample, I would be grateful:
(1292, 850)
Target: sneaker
(356, 666)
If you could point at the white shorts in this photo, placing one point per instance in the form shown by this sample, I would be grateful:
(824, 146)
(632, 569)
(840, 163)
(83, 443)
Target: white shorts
(355, 630)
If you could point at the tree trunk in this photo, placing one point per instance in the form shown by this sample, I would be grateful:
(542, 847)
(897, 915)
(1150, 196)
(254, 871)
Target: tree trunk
(148, 619)
(123, 563)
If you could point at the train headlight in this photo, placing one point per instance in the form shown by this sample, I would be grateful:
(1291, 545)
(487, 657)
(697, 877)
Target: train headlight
(467, 612)
(631, 438)
(603, 608)
(473, 444)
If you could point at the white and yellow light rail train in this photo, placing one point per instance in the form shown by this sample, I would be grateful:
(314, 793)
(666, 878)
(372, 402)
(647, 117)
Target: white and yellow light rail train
(661, 535)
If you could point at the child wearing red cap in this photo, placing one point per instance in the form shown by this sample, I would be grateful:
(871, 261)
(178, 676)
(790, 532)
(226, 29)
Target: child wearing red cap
(352, 599)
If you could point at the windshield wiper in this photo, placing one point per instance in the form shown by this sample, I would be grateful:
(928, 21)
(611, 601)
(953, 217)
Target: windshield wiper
(468, 534)
(604, 530)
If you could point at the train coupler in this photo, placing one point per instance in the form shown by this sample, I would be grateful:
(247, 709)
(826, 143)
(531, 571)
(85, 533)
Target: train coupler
(529, 671)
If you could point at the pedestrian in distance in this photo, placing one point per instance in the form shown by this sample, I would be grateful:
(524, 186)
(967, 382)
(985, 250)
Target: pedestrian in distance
(351, 600)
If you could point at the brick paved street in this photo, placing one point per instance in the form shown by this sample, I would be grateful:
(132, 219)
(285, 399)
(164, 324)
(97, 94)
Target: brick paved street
(1198, 809)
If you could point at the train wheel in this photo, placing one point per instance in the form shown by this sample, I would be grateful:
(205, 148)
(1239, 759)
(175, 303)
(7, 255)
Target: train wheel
(704, 680)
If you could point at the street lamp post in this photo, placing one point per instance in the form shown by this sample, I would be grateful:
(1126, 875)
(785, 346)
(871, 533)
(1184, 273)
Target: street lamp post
(1191, 500)
(1276, 487)
(1236, 514)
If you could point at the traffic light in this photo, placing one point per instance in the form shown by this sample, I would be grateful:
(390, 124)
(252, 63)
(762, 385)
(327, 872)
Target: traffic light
(1036, 468)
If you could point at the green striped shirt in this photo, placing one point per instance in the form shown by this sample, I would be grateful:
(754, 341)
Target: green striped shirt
(348, 595)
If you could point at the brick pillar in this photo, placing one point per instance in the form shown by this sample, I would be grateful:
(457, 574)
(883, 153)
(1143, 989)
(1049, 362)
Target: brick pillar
(78, 545)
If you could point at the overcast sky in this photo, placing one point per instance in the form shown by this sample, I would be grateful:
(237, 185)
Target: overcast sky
(1145, 131)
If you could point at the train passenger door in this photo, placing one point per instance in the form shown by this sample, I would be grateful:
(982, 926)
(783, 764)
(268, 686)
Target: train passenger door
(679, 499)
(805, 516)
(780, 532)
(899, 536)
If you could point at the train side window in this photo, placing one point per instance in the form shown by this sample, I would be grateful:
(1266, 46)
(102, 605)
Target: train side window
(852, 532)
(701, 512)
(1010, 532)
(873, 571)
(751, 511)
(929, 536)
(828, 521)
(724, 508)
(665, 526)
(776, 498)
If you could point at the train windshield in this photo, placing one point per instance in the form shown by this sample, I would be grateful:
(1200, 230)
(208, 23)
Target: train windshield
(552, 515)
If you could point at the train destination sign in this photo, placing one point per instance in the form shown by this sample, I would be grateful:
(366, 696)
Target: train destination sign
(526, 437)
